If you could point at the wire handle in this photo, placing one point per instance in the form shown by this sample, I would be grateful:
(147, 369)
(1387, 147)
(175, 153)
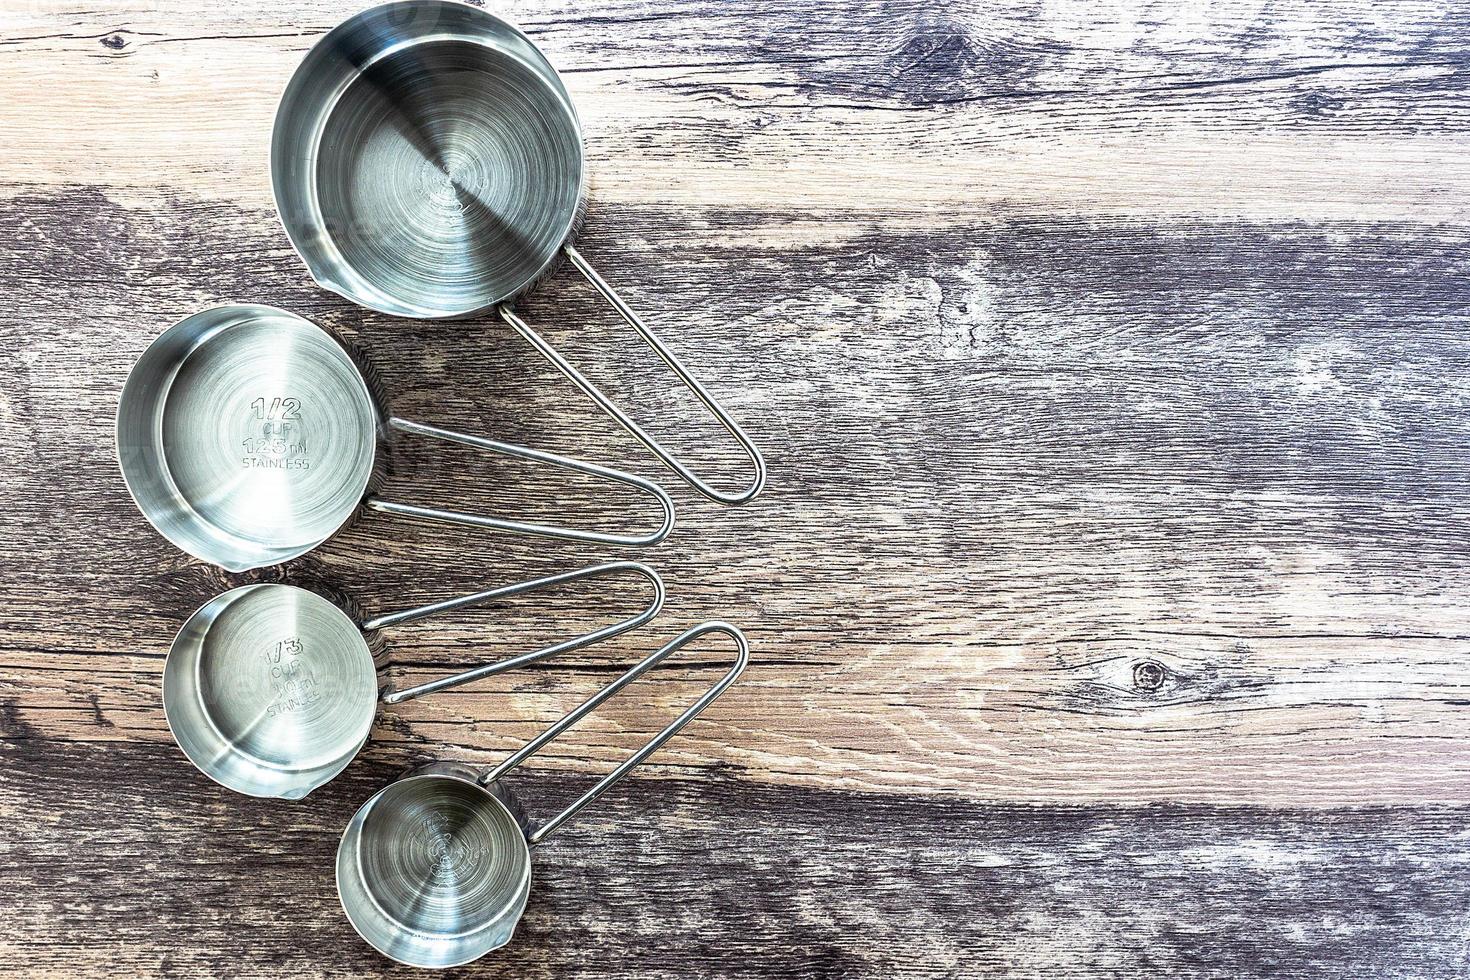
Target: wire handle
(742, 658)
(621, 417)
(505, 591)
(526, 527)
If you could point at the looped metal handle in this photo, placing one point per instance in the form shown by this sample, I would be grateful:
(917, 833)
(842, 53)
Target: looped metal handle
(526, 527)
(505, 591)
(618, 415)
(742, 657)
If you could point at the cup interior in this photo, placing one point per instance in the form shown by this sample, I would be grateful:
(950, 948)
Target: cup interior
(434, 871)
(427, 161)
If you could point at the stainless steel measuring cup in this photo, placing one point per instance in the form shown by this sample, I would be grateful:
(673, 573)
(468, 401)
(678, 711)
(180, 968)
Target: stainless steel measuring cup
(271, 689)
(248, 435)
(434, 870)
(427, 162)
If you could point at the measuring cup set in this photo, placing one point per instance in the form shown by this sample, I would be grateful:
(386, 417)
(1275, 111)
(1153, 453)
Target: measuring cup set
(426, 162)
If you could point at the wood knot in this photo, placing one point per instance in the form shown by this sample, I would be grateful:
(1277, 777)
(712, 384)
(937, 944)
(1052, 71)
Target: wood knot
(115, 41)
(933, 66)
(1149, 675)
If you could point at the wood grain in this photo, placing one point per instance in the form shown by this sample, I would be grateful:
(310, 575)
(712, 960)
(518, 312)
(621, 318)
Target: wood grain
(1109, 596)
(985, 515)
(721, 878)
(884, 109)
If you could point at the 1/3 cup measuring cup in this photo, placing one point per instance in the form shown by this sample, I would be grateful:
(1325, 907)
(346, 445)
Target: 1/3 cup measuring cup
(427, 161)
(434, 870)
(271, 689)
(248, 435)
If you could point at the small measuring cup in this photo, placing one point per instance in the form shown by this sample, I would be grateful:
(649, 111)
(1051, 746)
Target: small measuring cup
(271, 689)
(248, 435)
(434, 870)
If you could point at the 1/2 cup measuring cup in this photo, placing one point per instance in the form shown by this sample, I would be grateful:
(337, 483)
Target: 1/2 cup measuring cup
(271, 689)
(427, 161)
(248, 435)
(434, 870)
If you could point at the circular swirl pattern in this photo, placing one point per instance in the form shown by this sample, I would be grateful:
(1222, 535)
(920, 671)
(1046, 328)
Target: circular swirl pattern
(441, 856)
(287, 680)
(448, 175)
(269, 433)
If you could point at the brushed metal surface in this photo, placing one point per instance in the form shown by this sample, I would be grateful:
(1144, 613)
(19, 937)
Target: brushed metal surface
(270, 690)
(426, 160)
(246, 435)
(434, 869)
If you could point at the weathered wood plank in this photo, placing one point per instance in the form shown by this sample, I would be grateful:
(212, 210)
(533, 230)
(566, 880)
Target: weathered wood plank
(1111, 363)
(1014, 463)
(139, 866)
(895, 109)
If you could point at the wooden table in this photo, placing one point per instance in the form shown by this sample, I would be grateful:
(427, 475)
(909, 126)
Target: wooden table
(1109, 595)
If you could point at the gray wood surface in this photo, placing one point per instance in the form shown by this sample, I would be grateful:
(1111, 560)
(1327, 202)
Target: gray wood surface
(1109, 596)
(723, 877)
